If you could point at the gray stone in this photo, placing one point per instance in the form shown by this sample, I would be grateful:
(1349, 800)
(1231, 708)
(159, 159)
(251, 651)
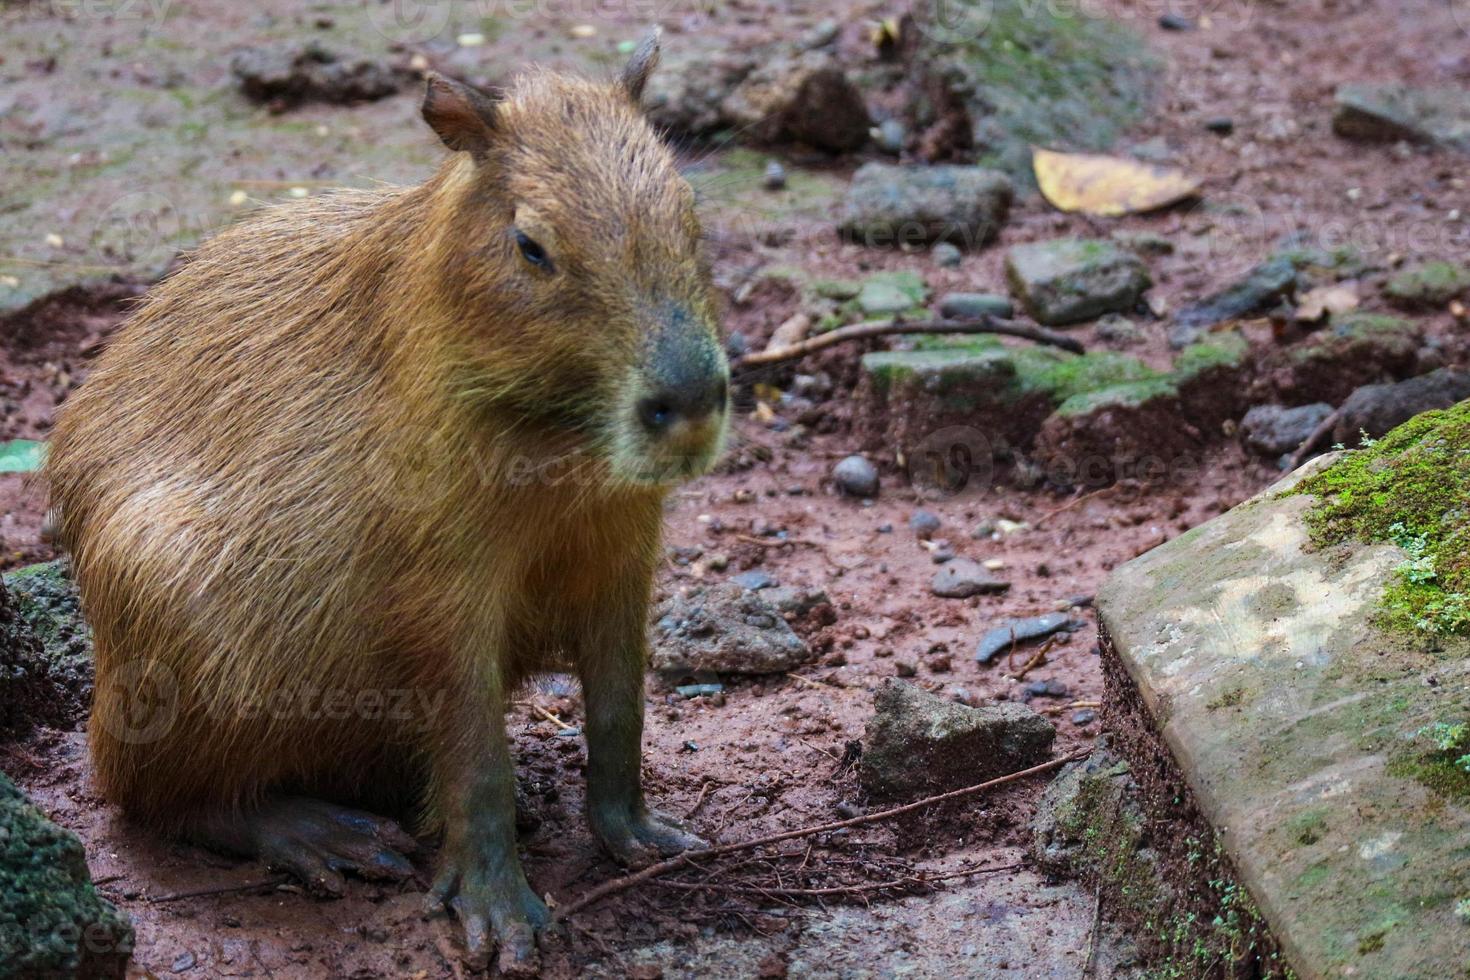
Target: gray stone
(886, 294)
(918, 743)
(967, 306)
(1271, 430)
(1003, 636)
(888, 205)
(794, 600)
(686, 95)
(962, 578)
(1262, 288)
(754, 580)
(53, 925)
(726, 629)
(1389, 112)
(775, 176)
(1072, 280)
(856, 476)
(946, 255)
(806, 98)
(924, 523)
(1373, 410)
(890, 135)
(1257, 656)
(1357, 348)
(46, 667)
(1073, 803)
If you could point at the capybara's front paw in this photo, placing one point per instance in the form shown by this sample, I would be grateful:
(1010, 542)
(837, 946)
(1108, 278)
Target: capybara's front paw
(497, 909)
(318, 841)
(642, 836)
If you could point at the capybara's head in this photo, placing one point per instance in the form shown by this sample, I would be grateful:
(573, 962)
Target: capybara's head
(568, 245)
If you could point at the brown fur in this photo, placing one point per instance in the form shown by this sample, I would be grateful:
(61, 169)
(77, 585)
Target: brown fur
(315, 459)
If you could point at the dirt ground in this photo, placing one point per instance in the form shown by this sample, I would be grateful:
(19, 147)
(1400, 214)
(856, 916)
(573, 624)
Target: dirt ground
(769, 754)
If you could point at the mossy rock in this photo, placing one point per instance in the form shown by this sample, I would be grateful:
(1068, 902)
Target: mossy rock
(1132, 429)
(53, 925)
(1210, 376)
(1355, 350)
(1072, 280)
(1030, 75)
(47, 600)
(29, 694)
(1410, 488)
(1430, 285)
(892, 294)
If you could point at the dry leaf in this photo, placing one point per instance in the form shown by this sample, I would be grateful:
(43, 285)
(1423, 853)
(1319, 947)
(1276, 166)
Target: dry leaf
(1108, 186)
(1327, 301)
(791, 331)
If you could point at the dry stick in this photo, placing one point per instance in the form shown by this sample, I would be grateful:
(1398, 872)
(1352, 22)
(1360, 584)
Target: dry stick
(607, 888)
(860, 331)
(877, 886)
(1072, 503)
(1324, 427)
(222, 889)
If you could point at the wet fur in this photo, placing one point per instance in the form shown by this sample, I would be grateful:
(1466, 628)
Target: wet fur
(303, 463)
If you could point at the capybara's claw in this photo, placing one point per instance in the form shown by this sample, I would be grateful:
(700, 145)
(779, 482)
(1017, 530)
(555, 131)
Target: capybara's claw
(318, 841)
(498, 913)
(644, 836)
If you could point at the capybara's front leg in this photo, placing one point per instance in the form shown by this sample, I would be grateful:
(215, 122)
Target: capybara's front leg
(480, 876)
(612, 686)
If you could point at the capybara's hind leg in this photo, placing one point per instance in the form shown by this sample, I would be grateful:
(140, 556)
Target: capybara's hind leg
(314, 840)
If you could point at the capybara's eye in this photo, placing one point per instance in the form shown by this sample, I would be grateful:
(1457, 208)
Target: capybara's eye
(531, 251)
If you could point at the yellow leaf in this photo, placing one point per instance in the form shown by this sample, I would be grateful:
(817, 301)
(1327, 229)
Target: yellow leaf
(1327, 301)
(1108, 186)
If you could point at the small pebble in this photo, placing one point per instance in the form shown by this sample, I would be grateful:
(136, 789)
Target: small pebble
(890, 136)
(1084, 717)
(923, 524)
(947, 255)
(856, 477)
(755, 580)
(904, 668)
(1223, 125)
(775, 176)
(1047, 689)
(1175, 22)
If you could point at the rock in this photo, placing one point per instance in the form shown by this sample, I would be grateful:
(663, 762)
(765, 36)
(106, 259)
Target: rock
(1072, 280)
(1049, 688)
(797, 601)
(917, 743)
(1262, 288)
(962, 578)
(888, 205)
(890, 135)
(1085, 794)
(1374, 410)
(1274, 430)
(687, 95)
(1211, 375)
(754, 580)
(1013, 632)
(1143, 242)
(856, 477)
(946, 255)
(1222, 125)
(1119, 331)
(1086, 716)
(888, 293)
(28, 692)
(1428, 286)
(1299, 730)
(806, 98)
(971, 92)
(775, 176)
(1175, 22)
(923, 524)
(969, 306)
(52, 923)
(1328, 366)
(1389, 112)
(725, 629)
(290, 74)
(46, 669)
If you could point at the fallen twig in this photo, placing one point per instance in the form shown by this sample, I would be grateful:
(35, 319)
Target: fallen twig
(1323, 428)
(1072, 503)
(862, 331)
(688, 858)
(1037, 660)
(549, 716)
(908, 882)
(248, 886)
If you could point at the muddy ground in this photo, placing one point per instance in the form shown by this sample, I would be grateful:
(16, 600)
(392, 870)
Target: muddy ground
(771, 754)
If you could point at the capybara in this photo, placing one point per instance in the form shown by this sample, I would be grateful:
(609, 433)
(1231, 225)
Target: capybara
(366, 462)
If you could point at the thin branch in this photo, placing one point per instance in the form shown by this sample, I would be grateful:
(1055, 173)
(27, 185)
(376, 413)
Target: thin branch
(1318, 434)
(688, 858)
(861, 331)
(248, 886)
(908, 882)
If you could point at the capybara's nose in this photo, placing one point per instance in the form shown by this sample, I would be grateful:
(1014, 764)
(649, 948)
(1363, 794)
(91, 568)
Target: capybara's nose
(691, 402)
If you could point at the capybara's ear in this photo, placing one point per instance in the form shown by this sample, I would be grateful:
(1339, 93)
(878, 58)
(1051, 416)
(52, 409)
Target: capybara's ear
(463, 116)
(641, 65)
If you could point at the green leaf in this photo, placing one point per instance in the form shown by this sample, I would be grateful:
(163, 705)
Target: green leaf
(22, 456)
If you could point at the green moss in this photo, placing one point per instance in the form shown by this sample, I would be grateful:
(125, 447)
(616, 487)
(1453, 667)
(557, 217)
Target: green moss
(1371, 943)
(1410, 488)
(1221, 350)
(1439, 771)
(1080, 374)
(1129, 394)
(1430, 284)
(1043, 75)
(1229, 699)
